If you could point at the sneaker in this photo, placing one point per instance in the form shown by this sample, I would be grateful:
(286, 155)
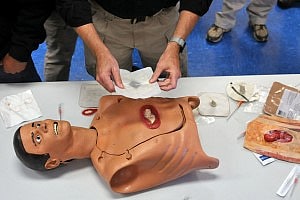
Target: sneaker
(215, 33)
(260, 32)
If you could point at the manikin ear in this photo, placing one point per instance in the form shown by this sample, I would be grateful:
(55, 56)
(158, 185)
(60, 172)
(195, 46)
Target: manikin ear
(52, 163)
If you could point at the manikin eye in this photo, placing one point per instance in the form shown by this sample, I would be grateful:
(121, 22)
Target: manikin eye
(38, 139)
(38, 125)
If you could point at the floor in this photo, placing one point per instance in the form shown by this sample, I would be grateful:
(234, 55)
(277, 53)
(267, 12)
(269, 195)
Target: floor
(237, 54)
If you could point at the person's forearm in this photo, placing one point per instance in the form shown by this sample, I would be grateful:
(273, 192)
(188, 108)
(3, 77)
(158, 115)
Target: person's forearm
(90, 37)
(186, 22)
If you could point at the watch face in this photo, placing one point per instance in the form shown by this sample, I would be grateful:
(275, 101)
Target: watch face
(181, 42)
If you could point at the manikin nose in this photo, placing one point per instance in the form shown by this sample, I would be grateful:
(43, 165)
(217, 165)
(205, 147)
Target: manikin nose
(44, 127)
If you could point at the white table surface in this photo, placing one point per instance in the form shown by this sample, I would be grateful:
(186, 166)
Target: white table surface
(240, 176)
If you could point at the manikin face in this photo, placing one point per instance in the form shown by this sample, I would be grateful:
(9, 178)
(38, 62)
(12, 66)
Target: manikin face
(46, 137)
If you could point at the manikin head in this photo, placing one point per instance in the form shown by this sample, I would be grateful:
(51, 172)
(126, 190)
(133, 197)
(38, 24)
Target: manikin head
(31, 148)
(32, 161)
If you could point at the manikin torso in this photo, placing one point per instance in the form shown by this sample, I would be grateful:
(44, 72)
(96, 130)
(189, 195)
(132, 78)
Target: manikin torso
(145, 143)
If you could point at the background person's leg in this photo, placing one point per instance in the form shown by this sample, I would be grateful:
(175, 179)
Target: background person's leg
(61, 41)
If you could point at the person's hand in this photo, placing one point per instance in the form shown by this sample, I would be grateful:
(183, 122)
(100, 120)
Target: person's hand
(107, 72)
(107, 68)
(11, 65)
(169, 64)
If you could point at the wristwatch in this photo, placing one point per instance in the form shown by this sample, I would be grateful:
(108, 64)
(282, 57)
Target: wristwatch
(179, 41)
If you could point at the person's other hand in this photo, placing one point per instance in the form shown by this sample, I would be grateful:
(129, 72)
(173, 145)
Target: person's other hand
(169, 64)
(11, 65)
(107, 72)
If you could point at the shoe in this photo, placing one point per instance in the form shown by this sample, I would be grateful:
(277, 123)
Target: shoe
(215, 33)
(260, 32)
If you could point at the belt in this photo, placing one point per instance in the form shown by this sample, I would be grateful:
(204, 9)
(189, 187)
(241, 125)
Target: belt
(138, 19)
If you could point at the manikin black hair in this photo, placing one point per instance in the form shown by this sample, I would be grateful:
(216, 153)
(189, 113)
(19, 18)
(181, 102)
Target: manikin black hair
(32, 161)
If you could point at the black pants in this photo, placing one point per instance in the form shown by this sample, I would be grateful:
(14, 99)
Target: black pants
(29, 74)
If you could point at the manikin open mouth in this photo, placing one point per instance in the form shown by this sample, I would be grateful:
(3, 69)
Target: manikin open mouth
(55, 128)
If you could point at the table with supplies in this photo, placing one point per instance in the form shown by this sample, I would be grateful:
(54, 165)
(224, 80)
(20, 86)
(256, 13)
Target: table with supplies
(240, 175)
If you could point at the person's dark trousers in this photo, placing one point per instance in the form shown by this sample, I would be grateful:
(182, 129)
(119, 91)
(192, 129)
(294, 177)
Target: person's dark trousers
(29, 74)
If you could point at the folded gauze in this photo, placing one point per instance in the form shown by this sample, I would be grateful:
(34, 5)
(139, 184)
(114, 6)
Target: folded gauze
(18, 108)
(137, 84)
